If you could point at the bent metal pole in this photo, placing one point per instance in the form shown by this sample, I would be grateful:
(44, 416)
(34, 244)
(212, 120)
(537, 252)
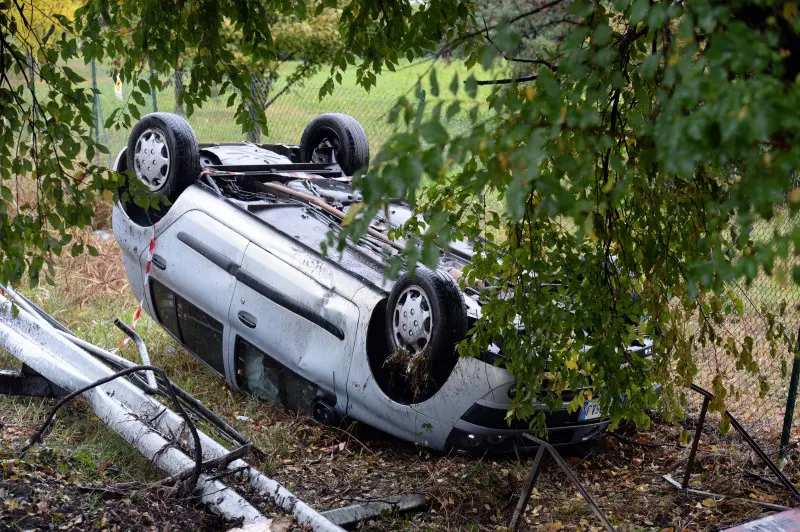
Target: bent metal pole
(122, 406)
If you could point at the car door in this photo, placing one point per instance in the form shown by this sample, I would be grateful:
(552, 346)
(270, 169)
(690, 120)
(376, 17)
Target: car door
(192, 282)
(303, 325)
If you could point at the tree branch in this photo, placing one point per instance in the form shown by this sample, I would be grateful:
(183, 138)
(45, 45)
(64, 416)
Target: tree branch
(506, 81)
(449, 45)
(548, 64)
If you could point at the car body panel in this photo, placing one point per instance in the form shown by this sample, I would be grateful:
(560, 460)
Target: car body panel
(302, 346)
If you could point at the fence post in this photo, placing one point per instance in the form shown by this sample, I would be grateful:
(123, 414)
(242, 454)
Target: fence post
(253, 135)
(95, 104)
(791, 398)
(98, 120)
(153, 91)
(178, 90)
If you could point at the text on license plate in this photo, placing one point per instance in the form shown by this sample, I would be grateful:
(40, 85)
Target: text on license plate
(589, 410)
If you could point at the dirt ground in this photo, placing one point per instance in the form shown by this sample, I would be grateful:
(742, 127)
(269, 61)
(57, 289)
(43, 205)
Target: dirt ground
(329, 468)
(40, 495)
(623, 472)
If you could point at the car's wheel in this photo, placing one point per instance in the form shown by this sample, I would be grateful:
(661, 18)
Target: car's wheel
(339, 134)
(163, 154)
(425, 319)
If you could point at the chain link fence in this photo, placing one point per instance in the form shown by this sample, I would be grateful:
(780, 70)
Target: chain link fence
(288, 109)
(761, 400)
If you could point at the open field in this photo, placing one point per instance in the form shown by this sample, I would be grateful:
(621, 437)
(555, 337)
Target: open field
(292, 111)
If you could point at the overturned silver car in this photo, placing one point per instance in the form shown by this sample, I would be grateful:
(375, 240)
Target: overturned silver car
(239, 278)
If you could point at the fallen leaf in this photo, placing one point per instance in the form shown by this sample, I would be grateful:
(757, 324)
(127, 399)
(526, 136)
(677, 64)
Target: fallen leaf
(282, 523)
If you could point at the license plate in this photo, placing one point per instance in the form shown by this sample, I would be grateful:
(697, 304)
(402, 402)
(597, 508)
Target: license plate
(589, 410)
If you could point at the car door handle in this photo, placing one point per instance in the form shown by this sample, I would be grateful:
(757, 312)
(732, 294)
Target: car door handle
(159, 262)
(248, 319)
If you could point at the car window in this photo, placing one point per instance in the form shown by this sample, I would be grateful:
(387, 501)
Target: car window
(198, 331)
(269, 380)
(164, 304)
(201, 333)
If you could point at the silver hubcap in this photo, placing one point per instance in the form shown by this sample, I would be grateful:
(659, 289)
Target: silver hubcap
(151, 159)
(413, 320)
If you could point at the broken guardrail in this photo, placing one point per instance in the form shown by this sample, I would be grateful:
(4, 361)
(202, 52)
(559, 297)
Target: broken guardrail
(751, 442)
(156, 431)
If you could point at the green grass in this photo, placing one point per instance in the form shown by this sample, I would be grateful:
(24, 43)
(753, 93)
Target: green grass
(291, 112)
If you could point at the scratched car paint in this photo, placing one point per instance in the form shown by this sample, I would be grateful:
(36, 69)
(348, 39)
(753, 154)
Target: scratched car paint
(240, 279)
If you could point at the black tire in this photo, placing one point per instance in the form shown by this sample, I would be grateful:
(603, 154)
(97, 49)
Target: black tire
(436, 343)
(344, 134)
(178, 163)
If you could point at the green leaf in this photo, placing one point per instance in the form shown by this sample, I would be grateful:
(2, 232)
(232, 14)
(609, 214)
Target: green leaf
(796, 275)
(351, 213)
(649, 66)
(454, 84)
(471, 86)
(434, 83)
(138, 98)
(639, 11)
(602, 35)
(430, 254)
(434, 132)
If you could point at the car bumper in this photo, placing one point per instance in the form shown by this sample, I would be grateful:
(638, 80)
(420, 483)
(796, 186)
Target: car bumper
(483, 429)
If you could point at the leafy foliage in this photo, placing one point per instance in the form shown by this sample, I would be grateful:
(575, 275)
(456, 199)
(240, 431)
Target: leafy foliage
(631, 172)
(44, 132)
(538, 36)
(34, 18)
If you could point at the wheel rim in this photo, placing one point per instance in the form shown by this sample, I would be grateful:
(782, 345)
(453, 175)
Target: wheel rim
(412, 323)
(323, 143)
(151, 159)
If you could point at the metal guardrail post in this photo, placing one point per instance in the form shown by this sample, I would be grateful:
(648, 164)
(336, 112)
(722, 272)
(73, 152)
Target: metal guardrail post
(754, 446)
(527, 489)
(530, 483)
(791, 399)
(693, 452)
